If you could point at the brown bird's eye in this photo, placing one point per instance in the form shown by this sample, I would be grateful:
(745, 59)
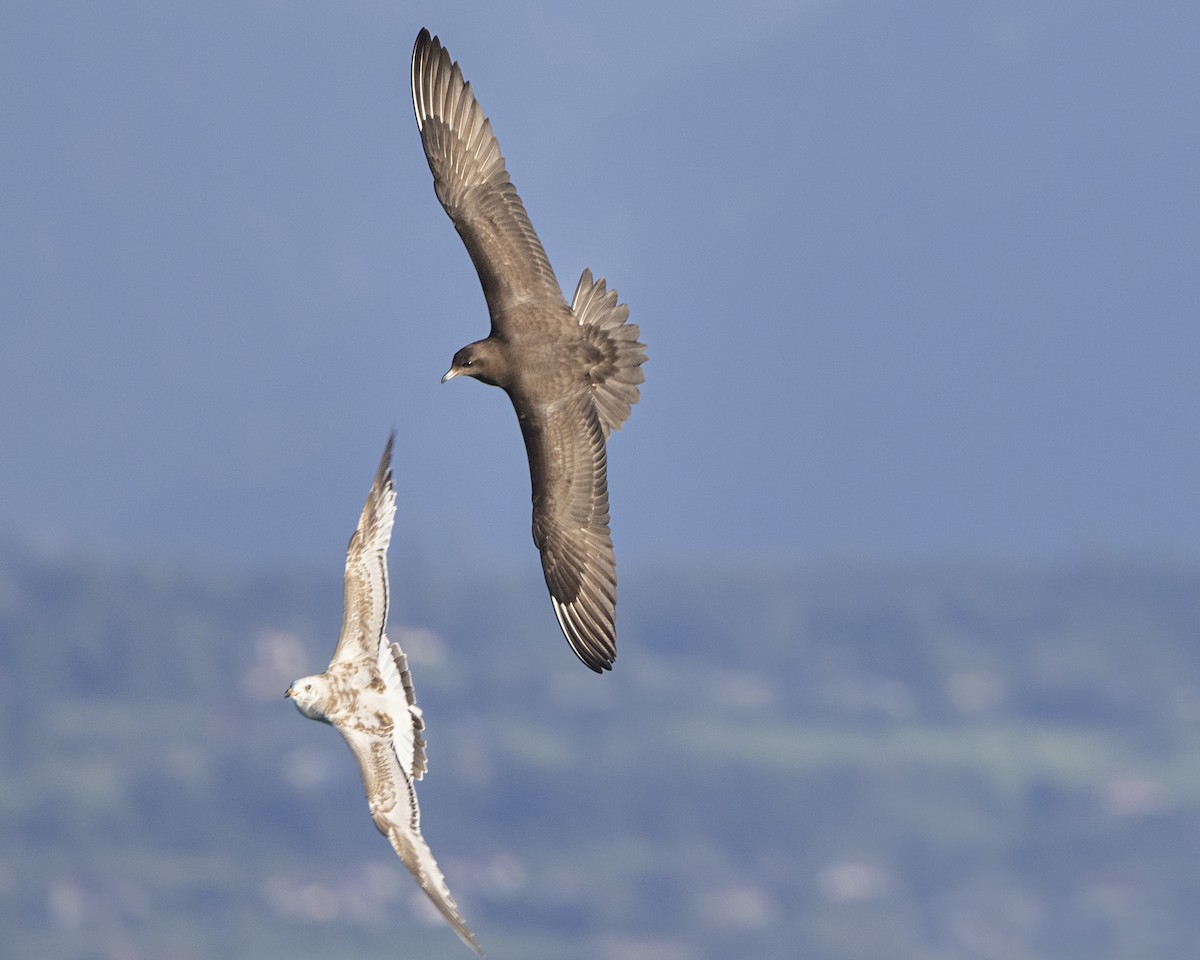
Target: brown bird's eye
(540, 350)
(308, 686)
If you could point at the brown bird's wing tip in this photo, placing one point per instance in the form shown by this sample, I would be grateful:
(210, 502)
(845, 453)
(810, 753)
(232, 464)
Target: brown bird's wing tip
(595, 663)
(426, 41)
(595, 648)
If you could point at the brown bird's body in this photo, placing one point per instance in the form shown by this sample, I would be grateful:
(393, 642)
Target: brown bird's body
(571, 371)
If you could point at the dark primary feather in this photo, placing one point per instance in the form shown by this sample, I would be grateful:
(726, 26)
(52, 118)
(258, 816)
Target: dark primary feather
(472, 183)
(572, 372)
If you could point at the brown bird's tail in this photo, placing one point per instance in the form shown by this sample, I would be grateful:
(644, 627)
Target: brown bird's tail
(617, 369)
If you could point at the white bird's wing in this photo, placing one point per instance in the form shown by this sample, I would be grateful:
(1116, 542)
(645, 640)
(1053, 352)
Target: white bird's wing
(393, 802)
(408, 724)
(372, 703)
(364, 614)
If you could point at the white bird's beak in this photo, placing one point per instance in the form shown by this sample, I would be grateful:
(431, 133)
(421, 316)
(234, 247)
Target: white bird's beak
(450, 374)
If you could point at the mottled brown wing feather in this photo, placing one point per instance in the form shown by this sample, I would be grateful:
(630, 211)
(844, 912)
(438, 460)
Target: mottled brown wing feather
(393, 802)
(570, 525)
(365, 608)
(472, 184)
(408, 734)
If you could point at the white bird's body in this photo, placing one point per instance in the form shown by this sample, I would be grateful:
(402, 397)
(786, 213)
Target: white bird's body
(366, 693)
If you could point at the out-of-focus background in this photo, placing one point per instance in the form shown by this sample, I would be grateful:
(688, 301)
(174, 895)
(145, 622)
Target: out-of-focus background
(907, 520)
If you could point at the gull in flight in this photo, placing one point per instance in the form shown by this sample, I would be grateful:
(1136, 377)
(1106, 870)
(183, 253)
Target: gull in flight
(366, 694)
(571, 372)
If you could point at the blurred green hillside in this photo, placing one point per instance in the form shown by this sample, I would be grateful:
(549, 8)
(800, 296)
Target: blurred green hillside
(845, 763)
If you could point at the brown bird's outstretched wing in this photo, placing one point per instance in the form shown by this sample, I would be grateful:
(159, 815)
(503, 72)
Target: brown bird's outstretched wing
(472, 184)
(568, 470)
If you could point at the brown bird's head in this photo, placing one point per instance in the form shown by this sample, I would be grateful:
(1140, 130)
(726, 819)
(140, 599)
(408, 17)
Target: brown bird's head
(484, 360)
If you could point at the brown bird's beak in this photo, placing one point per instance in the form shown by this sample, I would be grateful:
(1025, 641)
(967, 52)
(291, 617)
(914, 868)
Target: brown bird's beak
(451, 374)
(289, 693)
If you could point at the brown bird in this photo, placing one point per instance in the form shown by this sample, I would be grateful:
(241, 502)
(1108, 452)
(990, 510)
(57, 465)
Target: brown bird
(572, 372)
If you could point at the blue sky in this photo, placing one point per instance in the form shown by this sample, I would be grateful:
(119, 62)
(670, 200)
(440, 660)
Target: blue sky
(917, 280)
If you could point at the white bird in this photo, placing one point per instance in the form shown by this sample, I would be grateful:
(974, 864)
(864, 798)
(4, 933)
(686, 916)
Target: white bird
(366, 693)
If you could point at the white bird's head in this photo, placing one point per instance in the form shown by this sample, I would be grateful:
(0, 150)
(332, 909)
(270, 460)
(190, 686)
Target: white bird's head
(310, 695)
